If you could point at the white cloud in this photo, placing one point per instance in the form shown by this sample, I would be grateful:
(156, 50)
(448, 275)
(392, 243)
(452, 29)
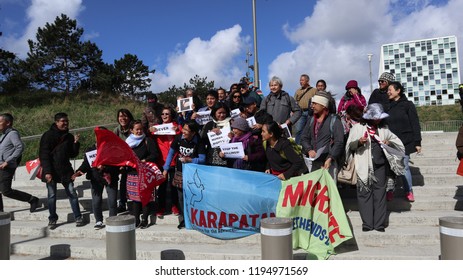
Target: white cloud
(38, 14)
(217, 59)
(334, 41)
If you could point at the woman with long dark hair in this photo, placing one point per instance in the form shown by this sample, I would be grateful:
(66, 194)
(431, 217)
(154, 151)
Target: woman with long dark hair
(124, 117)
(282, 159)
(220, 124)
(404, 122)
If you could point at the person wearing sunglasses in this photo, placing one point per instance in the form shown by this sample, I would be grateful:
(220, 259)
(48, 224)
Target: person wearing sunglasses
(379, 95)
(235, 101)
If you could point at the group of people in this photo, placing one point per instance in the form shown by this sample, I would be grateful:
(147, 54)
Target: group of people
(326, 136)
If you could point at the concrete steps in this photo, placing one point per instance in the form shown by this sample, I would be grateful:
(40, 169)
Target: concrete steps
(412, 232)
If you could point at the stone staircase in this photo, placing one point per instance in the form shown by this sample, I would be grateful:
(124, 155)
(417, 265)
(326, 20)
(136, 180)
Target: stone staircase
(412, 232)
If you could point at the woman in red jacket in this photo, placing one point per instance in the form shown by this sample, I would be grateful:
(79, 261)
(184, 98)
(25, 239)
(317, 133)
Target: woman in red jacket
(164, 135)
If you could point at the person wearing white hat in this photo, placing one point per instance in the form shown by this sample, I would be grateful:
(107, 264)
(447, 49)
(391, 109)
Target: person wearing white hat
(365, 144)
(323, 136)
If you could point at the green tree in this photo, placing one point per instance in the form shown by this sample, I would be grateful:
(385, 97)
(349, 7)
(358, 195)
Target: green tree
(58, 59)
(200, 85)
(131, 75)
(13, 73)
(169, 97)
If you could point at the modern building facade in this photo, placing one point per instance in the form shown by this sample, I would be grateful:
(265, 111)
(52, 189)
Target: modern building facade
(428, 69)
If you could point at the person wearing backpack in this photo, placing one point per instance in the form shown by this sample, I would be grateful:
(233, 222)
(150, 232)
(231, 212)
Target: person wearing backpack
(302, 97)
(282, 159)
(280, 105)
(323, 139)
(11, 149)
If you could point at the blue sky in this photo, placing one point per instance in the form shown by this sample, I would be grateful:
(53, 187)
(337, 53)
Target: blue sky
(327, 39)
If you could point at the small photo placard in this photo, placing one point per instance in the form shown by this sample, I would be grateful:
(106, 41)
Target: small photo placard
(185, 104)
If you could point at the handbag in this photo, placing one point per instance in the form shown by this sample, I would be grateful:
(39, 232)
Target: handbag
(178, 179)
(347, 174)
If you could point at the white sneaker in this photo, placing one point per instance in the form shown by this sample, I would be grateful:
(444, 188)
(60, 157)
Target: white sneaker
(99, 225)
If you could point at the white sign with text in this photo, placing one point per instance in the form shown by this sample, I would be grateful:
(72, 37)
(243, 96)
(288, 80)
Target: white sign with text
(233, 150)
(164, 129)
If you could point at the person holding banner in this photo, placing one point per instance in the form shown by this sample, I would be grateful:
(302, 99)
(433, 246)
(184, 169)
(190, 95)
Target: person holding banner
(190, 149)
(124, 118)
(216, 132)
(101, 177)
(254, 155)
(146, 150)
(365, 143)
(282, 159)
(167, 195)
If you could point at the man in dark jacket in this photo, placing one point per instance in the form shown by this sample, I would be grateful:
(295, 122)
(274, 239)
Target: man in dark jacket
(261, 117)
(152, 113)
(57, 147)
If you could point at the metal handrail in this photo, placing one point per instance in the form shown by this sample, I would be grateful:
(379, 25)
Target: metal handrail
(446, 126)
(38, 136)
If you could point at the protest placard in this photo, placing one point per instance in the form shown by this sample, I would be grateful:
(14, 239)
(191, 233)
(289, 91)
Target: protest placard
(251, 121)
(235, 113)
(233, 150)
(286, 130)
(203, 117)
(90, 156)
(185, 104)
(217, 139)
(164, 129)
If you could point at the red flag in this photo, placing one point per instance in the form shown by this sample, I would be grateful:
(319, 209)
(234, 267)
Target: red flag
(113, 151)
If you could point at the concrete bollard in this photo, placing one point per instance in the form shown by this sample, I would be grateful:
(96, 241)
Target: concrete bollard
(120, 238)
(276, 238)
(451, 238)
(5, 238)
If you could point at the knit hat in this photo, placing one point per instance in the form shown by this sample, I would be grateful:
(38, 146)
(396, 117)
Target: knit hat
(352, 84)
(374, 111)
(386, 76)
(322, 98)
(241, 124)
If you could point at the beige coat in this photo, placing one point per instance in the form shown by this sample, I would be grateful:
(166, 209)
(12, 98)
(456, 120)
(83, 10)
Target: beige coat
(362, 153)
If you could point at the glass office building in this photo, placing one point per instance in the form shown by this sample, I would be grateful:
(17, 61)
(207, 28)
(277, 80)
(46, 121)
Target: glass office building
(428, 69)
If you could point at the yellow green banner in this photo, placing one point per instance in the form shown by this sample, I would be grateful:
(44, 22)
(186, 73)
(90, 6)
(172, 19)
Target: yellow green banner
(319, 220)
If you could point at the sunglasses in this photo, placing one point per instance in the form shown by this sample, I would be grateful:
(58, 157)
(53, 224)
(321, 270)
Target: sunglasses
(382, 82)
(165, 114)
(236, 96)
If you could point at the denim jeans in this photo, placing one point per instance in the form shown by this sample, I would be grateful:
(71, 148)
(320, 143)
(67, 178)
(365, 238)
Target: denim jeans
(407, 178)
(97, 200)
(73, 200)
(300, 124)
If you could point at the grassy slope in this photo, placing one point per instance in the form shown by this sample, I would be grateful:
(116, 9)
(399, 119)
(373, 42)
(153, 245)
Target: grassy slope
(34, 114)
